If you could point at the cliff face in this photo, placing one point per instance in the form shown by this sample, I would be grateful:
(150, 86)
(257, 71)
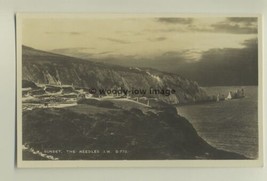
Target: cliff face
(48, 68)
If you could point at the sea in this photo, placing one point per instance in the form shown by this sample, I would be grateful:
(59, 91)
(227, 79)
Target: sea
(230, 125)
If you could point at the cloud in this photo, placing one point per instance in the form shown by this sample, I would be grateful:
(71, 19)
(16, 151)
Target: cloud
(236, 29)
(106, 52)
(251, 43)
(157, 39)
(116, 40)
(75, 33)
(176, 20)
(237, 25)
(182, 56)
(225, 66)
(197, 28)
(79, 52)
(233, 25)
(216, 66)
(247, 20)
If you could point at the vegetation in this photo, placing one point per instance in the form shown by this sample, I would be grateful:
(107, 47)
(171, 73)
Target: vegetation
(150, 135)
(95, 102)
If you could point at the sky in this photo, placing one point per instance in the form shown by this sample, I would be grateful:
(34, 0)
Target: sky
(145, 40)
(138, 37)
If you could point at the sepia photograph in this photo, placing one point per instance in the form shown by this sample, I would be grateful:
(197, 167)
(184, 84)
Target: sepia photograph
(140, 90)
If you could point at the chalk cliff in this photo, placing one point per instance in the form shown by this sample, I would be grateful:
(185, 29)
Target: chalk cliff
(49, 68)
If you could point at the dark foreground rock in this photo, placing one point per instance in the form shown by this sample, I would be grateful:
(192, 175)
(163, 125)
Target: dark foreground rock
(116, 134)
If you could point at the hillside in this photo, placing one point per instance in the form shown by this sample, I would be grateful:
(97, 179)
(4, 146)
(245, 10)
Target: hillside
(126, 134)
(48, 68)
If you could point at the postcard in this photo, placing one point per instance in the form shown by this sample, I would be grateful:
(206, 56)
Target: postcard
(139, 90)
